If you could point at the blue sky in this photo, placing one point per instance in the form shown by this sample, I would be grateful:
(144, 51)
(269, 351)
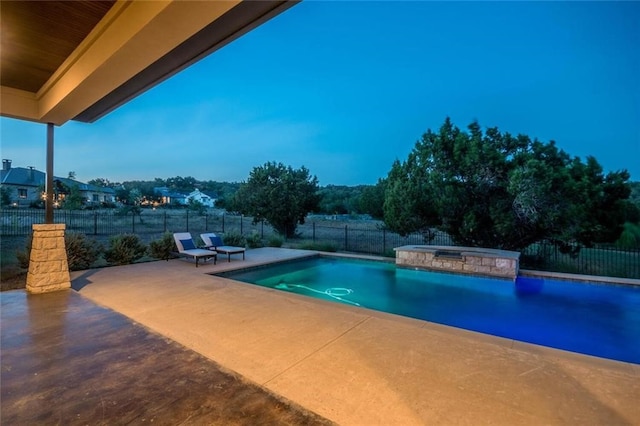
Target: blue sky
(345, 88)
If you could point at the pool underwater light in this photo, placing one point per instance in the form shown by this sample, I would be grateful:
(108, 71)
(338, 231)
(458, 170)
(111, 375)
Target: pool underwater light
(336, 292)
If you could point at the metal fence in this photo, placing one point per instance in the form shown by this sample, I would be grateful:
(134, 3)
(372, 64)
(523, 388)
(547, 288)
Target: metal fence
(369, 238)
(358, 236)
(16, 222)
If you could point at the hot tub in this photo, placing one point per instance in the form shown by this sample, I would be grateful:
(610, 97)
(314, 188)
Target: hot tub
(465, 260)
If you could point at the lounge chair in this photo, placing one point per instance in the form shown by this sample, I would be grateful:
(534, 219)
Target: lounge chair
(187, 248)
(214, 242)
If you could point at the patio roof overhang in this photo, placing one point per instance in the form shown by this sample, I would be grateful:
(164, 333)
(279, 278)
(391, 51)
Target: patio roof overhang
(80, 60)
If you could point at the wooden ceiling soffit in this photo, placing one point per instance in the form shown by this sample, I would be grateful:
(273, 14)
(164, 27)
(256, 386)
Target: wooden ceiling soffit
(137, 45)
(36, 37)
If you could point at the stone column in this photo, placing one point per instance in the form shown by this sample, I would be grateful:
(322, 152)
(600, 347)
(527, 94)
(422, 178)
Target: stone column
(48, 267)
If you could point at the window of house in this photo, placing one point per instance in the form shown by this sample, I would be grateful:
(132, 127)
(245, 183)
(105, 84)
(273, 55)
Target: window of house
(96, 198)
(22, 193)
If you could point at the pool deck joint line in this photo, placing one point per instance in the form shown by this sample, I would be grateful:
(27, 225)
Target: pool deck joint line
(316, 351)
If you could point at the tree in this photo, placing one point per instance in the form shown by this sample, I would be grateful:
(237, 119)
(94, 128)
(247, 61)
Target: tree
(71, 175)
(5, 195)
(180, 184)
(491, 189)
(339, 199)
(73, 199)
(372, 199)
(122, 195)
(279, 194)
(103, 182)
(633, 211)
(197, 206)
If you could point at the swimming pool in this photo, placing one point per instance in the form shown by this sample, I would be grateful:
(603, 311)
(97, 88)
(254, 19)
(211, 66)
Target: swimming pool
(593, 319)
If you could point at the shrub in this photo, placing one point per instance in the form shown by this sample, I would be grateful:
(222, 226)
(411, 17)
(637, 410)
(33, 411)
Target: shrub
(108, 205)
(124, 249)
(23, 255)
(275, 241)
(630, 237)
(254, 240)
(81, 252)
(163, 248)
(318, 246)
(233, 239)
(389, 253)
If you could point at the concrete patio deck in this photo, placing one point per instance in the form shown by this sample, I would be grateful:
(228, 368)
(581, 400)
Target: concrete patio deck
(355, 366)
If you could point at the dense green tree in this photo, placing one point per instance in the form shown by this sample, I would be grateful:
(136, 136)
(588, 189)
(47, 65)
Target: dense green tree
(633, 211)
(634, 197)
(491, 189)
(103, 182)
(5, 195)
(180, 184)
(372, 199)
(139, 192)
(221, 189)
(197, 206)
(122, 195)
(73, 199)
(279, 194)
(339, 199)
(224, 203)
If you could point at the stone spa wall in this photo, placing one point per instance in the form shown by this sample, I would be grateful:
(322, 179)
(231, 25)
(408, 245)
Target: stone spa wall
(465, 260)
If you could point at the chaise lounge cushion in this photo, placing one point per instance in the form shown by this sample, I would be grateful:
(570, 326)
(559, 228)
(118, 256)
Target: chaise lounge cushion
(216, 241)
(187, 244)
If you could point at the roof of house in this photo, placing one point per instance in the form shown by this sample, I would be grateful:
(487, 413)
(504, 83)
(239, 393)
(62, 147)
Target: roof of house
(22, 176)
(163, 191)
(31, 177)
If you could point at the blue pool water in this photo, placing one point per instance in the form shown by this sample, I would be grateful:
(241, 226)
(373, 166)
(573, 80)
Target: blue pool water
(599, 320)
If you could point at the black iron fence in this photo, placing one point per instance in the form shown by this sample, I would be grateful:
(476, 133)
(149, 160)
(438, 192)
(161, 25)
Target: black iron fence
(358, 236)
(15, 222)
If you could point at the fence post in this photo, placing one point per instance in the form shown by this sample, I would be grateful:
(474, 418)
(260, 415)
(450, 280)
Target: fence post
(95, 223)
(133, 222)
(187, 220)
(165, 221)
(206, 221)
(223, 223)
(346, 241)
(314, 231)
(241, 220)
(262, 228)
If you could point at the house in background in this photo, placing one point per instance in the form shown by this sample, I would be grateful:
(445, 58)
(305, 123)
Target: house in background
(169, 197)
(26, 186)
(205, 199)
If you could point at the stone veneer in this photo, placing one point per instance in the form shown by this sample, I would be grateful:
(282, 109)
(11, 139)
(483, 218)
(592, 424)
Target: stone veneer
(48, 267)
(466, 260)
